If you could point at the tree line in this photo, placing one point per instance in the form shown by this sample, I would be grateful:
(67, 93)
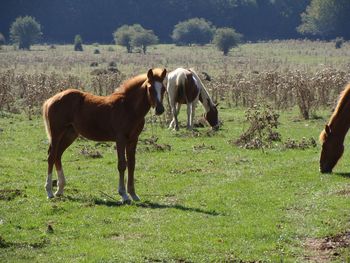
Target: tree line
(97, 20)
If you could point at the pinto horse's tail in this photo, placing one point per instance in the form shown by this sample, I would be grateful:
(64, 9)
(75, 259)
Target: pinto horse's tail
(46, 106)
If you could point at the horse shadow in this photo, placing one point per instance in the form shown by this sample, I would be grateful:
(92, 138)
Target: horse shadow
(154, 205)
(92, 201)
(346, 175)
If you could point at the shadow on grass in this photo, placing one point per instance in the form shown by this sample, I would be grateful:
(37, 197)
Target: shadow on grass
(153, 205)
(346, 175)
(91, 201)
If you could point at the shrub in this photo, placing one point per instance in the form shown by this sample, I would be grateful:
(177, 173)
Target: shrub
(134, 36)
(25, 31)
(226, 38)
(123, 36)
(263, 122)
(97, 51)
(144, 39)
(339, 41)
(2, 40)
(193, 31)
(78, 43)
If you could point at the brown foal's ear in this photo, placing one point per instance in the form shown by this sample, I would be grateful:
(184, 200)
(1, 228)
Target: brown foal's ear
(150, 74)
(217, 104)
(327, 129)
(163, 74)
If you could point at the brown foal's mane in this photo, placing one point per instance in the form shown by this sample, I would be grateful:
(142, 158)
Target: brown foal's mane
(137, 81)
(344, 98)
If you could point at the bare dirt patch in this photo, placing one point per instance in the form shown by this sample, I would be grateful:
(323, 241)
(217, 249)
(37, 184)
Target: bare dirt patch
(326, 249)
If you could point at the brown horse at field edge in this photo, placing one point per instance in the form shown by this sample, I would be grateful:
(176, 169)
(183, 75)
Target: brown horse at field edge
(119, 117)
(332, 137)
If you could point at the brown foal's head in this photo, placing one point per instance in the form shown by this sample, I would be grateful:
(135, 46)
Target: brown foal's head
(156, 89)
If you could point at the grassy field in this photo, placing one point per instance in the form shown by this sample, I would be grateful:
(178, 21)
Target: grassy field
(203, 199)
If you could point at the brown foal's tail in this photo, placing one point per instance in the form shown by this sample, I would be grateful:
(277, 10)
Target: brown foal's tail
(46, 106)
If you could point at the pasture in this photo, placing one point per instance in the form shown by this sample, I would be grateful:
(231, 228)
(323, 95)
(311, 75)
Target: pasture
(203, 199)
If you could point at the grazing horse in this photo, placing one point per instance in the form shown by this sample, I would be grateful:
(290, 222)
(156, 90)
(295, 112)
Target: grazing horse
(333, 135)
(119, 117)
(185, 87)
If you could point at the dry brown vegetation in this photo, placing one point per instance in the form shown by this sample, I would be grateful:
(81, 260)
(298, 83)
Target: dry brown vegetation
(286, 74)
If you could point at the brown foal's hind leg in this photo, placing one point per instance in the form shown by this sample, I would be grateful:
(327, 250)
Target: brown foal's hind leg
(130, 154)
(67, 139)
(51, 160)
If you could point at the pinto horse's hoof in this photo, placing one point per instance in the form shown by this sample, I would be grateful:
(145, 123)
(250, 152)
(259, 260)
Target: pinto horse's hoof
(57, 194)
(135, 197)
(126, 202)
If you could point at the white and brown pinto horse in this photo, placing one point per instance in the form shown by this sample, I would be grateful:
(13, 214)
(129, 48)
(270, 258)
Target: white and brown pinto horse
(185, 87)
(119, 117)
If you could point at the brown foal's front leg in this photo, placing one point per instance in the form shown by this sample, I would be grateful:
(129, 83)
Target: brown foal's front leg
(130, 155)
(121, 168)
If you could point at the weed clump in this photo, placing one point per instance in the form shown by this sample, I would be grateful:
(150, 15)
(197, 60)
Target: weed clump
(263, 122)
(302, 144)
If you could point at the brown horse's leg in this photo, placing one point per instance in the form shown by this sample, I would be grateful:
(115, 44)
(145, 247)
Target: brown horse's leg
(121, 169)
(68, 138)
(51, 160)
(130, 154)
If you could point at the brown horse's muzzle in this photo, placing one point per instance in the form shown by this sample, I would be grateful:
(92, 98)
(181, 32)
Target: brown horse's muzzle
(159, 109)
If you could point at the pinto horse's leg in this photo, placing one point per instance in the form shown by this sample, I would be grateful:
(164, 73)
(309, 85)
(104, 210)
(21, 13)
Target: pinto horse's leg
(130, 155)
(174, 124)
(121, 169)
(189, 116)
(67, 139)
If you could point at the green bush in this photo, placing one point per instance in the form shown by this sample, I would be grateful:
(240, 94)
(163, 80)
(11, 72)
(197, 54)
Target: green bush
(134, 36)
(2, 39)
(25, 31)
(339, 41)
(193, 31)
(78, 43)
(144, 39)
(226, 38)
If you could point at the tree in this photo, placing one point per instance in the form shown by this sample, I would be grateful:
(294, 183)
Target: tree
(134, 36)
(123, 36)
(25, 31)
(144, 39)
(226, 38)
(193, 31)
(78, 43)
(326, 18)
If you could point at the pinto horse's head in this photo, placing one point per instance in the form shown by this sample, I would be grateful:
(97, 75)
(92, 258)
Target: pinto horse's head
(212, 116)
(156, 89)
(332, 150)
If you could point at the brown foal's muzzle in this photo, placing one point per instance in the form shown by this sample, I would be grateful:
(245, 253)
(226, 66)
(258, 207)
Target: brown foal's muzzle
(159, 108)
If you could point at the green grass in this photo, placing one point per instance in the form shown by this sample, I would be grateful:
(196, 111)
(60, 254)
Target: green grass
(204, 200)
